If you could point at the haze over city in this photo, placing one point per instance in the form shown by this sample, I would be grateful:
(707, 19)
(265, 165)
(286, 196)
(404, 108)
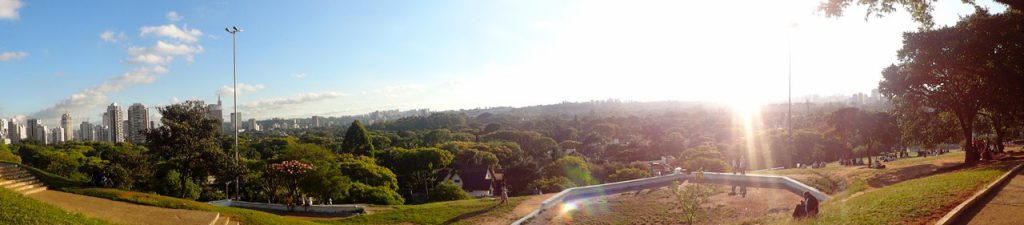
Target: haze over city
(299, 59)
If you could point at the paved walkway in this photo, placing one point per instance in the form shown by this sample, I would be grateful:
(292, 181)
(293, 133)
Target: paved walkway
(1004, 207)
(122, 212)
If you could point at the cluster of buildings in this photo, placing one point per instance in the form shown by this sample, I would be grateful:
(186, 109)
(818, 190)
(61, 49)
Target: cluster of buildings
(117, 126)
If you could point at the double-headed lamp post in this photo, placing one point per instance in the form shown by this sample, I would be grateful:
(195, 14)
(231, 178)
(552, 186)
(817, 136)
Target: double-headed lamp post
(234, 89)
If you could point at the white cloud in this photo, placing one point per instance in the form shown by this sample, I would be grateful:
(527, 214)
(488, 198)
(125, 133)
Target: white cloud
(162, 53)
(299, 75)
(97, 95)
(242, 88)
(183, 34)
(171, 42)
(174, 17)
(277, 103)
(8, 56)
(9, 9)
(113, 37)
(394, 91)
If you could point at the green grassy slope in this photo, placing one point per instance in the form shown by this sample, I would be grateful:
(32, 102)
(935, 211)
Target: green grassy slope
(18, 209)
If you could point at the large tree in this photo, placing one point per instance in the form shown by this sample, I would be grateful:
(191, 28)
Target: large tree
(357, 140)
(920, 10)
(188, 142)
(960, 69)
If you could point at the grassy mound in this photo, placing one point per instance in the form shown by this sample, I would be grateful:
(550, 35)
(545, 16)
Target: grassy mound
(916, 201)
(451, 212)
(18, 209)
(246, 216)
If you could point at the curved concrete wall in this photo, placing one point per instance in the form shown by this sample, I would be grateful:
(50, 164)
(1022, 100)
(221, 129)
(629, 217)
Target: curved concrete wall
(323, 209)
(661, 181)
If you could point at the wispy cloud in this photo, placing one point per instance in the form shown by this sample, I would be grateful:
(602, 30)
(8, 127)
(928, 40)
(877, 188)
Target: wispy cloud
(242, 88)
(97, 95)
(151, 61)
(174, 17)
(9, 9)
(299, 75)
(112, 37)
(162, 53)
(8, 56)
(394, 91)
(183, 34)
(277, 103)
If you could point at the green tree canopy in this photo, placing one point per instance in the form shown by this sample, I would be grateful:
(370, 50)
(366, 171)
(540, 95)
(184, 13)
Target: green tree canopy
(188, 141)
(357, 140)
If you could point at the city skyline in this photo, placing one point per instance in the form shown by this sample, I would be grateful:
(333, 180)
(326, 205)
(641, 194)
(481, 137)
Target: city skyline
(341, 58)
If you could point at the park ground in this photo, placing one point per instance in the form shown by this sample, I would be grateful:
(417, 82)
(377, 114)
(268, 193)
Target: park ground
(909, 191)
(72, 204)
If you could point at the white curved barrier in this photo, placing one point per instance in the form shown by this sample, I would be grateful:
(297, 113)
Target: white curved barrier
(653, 182)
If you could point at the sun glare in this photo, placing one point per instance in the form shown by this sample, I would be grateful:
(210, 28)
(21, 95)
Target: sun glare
(568, 207)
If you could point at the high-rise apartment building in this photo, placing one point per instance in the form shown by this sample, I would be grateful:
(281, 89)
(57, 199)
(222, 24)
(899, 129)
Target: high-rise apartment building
(215, 111)
(86, 132)
(66, 124)
(115, 115)
(102, 133)
(41, 133)
(56, 136)
(33, 126)
(138, 123)
(236, 119)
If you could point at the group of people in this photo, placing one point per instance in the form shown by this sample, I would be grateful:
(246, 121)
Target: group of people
(739, 166)
(875, 164)
(808, 207)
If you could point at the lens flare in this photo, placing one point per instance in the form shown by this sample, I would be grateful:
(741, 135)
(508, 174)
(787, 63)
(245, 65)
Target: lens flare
(569, 207)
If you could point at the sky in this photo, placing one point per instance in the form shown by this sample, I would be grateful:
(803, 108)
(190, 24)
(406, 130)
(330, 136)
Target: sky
(332, 58)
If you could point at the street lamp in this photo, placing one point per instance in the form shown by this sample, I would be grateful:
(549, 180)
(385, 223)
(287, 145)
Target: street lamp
(234, 89)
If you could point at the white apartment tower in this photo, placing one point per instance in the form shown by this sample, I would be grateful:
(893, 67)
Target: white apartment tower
(34, 133)
(138, 123)
(57, 136)
(86, 132)
(66, 124)
(115, 116)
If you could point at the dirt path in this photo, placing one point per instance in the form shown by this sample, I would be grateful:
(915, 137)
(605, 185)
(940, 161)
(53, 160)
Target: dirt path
(122, 212)
(1004, 207)
(521, 210)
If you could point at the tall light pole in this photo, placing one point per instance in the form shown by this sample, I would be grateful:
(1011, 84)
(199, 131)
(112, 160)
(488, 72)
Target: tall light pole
(789, 71)
(234, 89)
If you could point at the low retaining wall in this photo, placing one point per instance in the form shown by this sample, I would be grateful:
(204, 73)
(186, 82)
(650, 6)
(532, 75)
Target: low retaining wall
(318, 209)
(661, 181)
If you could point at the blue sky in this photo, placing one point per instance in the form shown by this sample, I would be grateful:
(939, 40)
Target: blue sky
(302, 58)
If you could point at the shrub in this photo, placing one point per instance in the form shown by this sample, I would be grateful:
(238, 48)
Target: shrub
(447, 191)
(7, 155)
(362, 193)
(628, 174)
(551, 184)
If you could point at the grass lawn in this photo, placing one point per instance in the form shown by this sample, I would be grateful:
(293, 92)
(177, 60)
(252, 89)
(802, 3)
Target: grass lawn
(246, 216)
(18, 209)
(452, 212)
(835, 179)
(916, 201)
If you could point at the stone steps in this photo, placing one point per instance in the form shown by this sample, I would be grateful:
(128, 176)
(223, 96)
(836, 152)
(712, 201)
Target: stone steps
(19, 180)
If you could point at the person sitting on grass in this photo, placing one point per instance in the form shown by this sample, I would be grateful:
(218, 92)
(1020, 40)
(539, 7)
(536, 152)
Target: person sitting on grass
(800, 210)
(810, 204)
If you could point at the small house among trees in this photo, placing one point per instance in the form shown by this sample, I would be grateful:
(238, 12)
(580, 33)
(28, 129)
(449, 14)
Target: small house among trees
(478, 181)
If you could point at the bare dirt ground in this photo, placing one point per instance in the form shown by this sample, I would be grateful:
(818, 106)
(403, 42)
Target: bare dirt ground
(660, 207)
(524, 207)
(122, 212)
